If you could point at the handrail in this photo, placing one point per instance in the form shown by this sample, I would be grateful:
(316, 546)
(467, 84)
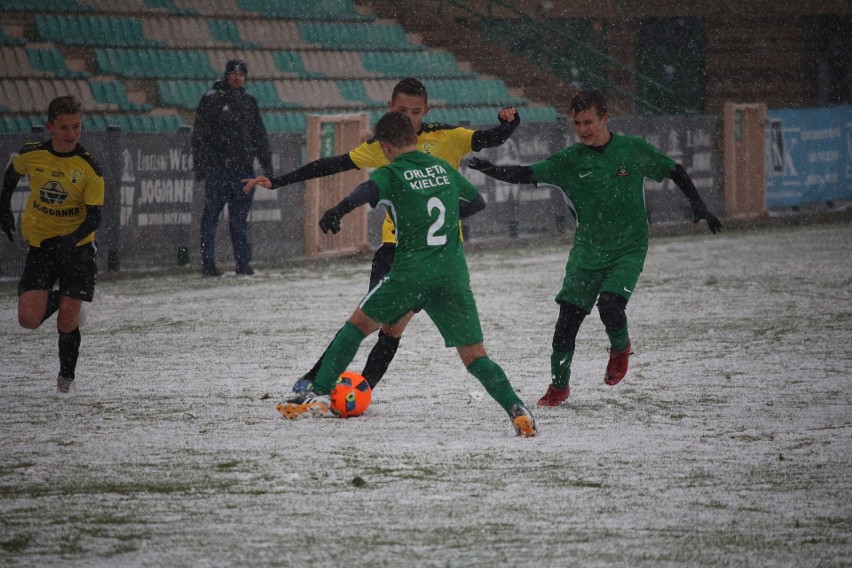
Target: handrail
(588, 49)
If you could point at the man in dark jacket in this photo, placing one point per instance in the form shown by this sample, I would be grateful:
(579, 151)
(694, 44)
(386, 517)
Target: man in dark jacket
(227, 137)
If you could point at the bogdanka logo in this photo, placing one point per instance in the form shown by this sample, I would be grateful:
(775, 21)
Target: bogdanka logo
(53, 193)
(622, 171)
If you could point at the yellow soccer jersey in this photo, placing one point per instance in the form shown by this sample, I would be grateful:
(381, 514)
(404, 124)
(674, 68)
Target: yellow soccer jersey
(61, 186)
(450, 143)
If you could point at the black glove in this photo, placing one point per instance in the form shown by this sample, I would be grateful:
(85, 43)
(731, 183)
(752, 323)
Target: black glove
(481, 165)
(60, 243)
(331, 220)
(7, 223)
(700, 211)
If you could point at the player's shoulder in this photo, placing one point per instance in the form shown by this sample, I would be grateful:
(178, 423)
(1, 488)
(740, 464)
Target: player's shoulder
(87, 156)
(29, 147)
(439, 127)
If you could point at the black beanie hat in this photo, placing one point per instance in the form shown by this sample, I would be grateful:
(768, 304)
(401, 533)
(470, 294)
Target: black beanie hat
(236, 65)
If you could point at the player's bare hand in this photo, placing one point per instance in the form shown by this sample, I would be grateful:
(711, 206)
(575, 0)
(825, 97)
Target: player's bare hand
(509, 114)
(262, 181)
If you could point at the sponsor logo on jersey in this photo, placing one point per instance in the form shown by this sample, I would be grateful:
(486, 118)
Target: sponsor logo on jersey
(53, 193)
(622, 171)
(58, 174)
(426, 148)
(76, 175)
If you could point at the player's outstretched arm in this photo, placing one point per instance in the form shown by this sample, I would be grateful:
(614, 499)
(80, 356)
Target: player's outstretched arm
(699, 209)
(69, 241)
(468, 208)
(509, 174)
(7, 219)
(318, 168)
(367, 192)
(509, 120)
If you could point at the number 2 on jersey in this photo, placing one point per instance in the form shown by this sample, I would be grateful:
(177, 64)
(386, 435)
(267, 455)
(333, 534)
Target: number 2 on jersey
(433, 239)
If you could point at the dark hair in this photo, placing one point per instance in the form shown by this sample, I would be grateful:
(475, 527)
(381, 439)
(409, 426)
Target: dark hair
(411, 87)
(66, 104)
(587, 99)
(396, 129)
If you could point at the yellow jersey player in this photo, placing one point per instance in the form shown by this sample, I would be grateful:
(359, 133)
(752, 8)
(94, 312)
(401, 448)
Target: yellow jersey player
(59, 219)
(430, 272)
(448, 142)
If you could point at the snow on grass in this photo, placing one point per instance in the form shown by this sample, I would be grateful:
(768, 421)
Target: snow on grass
(728, 444)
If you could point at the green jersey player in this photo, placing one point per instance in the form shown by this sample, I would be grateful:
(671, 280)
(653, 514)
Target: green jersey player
(429, 272)
(603, 179)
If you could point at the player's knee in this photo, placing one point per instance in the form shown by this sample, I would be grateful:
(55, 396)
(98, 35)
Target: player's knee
(612, 309)
(567, 327)
(28, 320)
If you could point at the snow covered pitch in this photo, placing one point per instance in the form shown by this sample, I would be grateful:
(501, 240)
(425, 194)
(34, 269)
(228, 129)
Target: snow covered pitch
(728, 444)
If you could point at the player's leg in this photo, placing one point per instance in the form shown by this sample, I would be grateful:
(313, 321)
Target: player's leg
(77, 276)
(576, 298)
(337, 358)
(215, 194)
(616, 289)
(454, 313)
(383, 352)
(36, 302)
(239, 205)
(563, 346)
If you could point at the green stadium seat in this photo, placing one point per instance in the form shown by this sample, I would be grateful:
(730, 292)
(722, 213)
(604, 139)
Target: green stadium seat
(294, 122)
(226, 31)
(169, 6)
(6, 39)
(92, 31)
(51, 60)
(113, 92)
(425, 64)
(356, 36)
(291, 62)
(299, 9)
(354, 91)
(46, 6)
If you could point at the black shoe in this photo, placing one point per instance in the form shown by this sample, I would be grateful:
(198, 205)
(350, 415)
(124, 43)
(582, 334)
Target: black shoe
(244, 270)
(210, 271)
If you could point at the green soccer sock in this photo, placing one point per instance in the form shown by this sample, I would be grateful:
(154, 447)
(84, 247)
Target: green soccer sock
(492, 377)
(337, 357)
(560, 368)
(618, 339)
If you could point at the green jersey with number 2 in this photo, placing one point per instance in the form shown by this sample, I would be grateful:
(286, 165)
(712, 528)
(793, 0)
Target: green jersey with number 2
(421, 193)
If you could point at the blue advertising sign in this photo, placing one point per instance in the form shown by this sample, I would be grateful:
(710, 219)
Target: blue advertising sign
(808, 156)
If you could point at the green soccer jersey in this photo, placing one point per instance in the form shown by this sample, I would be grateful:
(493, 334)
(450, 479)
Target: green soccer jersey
(605, 190)
(421, 193)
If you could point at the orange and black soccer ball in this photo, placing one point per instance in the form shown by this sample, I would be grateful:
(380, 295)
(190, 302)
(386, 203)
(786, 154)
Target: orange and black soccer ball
(351, 395)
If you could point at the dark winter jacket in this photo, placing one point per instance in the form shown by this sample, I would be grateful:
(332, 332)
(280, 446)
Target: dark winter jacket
(228, 132)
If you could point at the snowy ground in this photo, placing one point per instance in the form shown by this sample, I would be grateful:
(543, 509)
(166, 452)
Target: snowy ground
(728, 444)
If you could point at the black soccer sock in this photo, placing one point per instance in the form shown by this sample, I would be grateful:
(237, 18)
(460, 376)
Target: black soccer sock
(69, 349)
(380, 358)
(52, 304)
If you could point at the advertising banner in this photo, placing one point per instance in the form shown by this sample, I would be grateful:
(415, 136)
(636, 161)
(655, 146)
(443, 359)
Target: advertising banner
(808, 156)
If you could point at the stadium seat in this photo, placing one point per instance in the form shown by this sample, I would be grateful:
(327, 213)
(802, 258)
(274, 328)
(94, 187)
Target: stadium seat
(355, 92)
(50, 60)
(292, 63)
(428, 64)
(336, 64)
(46, 6)
(356, 36)
(226, 31)
(299, 9)
(6, 39)
(273, 34)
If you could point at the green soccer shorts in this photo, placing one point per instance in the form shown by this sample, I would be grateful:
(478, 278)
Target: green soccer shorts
(450, 305)
(582, 286)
